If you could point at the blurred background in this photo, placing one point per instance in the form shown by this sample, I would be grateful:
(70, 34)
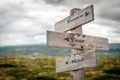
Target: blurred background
(24, 54)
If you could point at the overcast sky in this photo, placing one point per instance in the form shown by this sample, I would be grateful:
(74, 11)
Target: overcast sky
(26, 21)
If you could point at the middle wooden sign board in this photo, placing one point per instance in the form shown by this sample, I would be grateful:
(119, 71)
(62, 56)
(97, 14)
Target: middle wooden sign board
(76, 41)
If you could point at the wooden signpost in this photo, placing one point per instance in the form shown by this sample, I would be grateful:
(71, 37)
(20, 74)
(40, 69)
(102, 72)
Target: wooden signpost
(83, 46)
(88, 59)
(79, 18)
(75, 41)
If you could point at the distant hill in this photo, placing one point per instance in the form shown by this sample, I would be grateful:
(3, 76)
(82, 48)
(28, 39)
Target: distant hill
(30, 49)
(114, 50)
(44, 50)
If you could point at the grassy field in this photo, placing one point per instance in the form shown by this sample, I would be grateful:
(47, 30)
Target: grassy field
(20, 67)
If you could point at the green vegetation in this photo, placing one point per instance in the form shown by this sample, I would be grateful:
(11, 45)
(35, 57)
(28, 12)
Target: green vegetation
(108, 69)
(43, 68)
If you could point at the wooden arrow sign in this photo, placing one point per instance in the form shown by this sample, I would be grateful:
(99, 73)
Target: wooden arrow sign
(88, 59)
(76, 41)
(81, 17)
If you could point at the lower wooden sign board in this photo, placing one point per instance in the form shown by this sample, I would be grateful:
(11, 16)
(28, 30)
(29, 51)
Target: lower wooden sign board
(76, 41)
(88, 59)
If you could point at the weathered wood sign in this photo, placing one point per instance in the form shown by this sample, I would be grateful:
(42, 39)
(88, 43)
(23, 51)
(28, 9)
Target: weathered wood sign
(83, 46)
(79, 41)
(81, 17)
(88, 59)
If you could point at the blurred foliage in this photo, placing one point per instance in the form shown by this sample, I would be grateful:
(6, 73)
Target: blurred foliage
(24, 67)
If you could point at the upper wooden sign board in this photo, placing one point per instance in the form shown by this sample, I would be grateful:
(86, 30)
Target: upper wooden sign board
(81, 17)
(88, 59)
(76, 41)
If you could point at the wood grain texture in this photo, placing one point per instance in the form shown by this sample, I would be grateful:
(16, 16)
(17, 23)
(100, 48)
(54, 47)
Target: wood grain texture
(80, 73)
(88, 59)
(81, 17)
(76, 41)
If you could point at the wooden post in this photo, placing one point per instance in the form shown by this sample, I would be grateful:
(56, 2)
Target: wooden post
(77, 74)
